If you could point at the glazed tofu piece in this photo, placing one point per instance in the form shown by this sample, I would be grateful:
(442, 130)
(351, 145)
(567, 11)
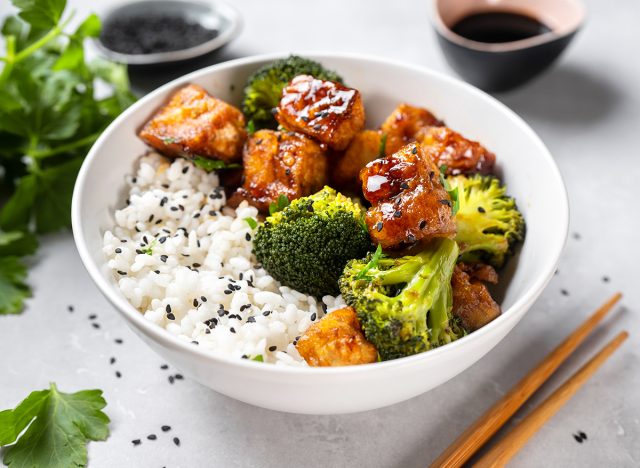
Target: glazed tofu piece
(336, 340)
(364, 148)
(408, 200)
(280, 163)
(327, 111)
(472, 302)
(195, 123)
(461, 156)
(404, 123)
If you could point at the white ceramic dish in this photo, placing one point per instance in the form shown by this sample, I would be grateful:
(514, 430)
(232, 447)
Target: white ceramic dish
(527, 168)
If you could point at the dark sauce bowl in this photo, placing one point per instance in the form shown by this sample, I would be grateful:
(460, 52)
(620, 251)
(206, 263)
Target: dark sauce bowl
(500, 66)
(212, 15)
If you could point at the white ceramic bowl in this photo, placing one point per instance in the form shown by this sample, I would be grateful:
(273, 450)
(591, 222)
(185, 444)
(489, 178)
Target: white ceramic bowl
(526, 165)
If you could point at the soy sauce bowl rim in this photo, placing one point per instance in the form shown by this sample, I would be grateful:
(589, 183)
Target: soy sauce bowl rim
(497, 47)
(223, 9)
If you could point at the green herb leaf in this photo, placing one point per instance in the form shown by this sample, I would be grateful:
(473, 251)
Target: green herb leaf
(59, 427)
(213, 164)
(258, 358)
(453, 193)
(169, 140)
(251, 222)
(13, 288)
(17, 243)
(149, 248)
(280, 204)
(372, 263)
(17, 211)
(55, 187)
(42, 14)
(251, 127)
(90, 27)
(383, 146)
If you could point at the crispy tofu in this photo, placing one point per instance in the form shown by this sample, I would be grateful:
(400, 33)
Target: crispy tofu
(408, 200)
(364, 148)
(195, 123)
(404, 123)
(461, 156)
(280, 163)
(472, 302)
(327, 111)
(336, 340)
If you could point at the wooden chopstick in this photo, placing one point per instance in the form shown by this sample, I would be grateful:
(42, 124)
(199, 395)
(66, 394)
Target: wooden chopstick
(509, 445)
(486, 425)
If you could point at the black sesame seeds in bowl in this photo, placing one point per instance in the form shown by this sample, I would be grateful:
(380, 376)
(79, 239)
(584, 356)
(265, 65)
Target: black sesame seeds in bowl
(163, 31)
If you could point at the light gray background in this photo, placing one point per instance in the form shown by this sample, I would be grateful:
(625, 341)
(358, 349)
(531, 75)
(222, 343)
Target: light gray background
(586, 109)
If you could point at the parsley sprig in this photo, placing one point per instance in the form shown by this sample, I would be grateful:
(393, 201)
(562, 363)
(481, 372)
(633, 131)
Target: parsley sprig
(58, 427)
(49, 117)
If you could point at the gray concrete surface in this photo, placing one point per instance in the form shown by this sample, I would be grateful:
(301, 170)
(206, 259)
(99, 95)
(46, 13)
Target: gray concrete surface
(586, 109)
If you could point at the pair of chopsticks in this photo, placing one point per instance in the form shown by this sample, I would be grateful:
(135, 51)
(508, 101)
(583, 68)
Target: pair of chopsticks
(476, 435)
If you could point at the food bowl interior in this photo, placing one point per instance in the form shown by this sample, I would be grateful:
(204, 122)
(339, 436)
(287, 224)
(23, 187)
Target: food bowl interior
(523, 161)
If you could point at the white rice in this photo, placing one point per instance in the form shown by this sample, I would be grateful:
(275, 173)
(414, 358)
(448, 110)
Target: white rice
(184, 260)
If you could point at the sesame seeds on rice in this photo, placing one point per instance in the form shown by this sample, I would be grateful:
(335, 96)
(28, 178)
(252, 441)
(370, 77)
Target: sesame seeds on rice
(187, 265)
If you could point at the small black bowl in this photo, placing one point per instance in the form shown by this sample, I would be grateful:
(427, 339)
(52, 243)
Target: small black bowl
(506, 65)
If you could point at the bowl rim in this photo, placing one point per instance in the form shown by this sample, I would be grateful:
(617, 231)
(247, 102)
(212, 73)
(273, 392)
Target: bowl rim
(222, 8)
(168, 340)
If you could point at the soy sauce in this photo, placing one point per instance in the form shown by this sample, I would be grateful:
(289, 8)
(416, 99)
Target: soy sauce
(496, 27)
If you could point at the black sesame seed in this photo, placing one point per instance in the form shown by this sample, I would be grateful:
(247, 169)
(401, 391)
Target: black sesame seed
(176, 441)
(404, 185)
(212, 213)
(481, 210)
(313, 316)
(203, 299)
(195, 303)
(112, 360)
(136, 442)
(164, 367)
(196, 216)
(163, 201)
(179, 377)
(397, 214)
(423, 224)
(564, 292)
(583, 435)
(157, 272)
(379, 226)
(244, 356)
(170, 316)
(95, 325)
(414, 150)
(123, 273)
(165, 428)
(165, 186)
(232, 330)
(150, 218)
(152, 437)
(93, 317)
(577, 236)
(304, 118)
(168, 308)
(163, 239)
(164, 258)
(195, 342)
(118, 340)
(251, 319)
(118, 374)
(577, 438)
(248, 236)
(196, 265)
(445, 202)
(266, 313)
(118, 250)
(411, 237)
(70, 308)
(171, 379)
(185, 169)
(272, 348)
(317, 127)
(227, 291)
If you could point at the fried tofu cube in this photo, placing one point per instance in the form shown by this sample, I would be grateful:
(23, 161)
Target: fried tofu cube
(403, 125)
(408, 200)
(472, 302)
(327, 111)
(364, 148)
(460, 155)
(280, 163)
(336, 340)
(195, 123)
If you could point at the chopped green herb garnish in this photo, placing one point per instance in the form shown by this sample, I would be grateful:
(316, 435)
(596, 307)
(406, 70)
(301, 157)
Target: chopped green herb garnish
(280, 204)
(251, 127)
(169, 140)
(372, 263)
(383, 146)
(251, 222)
(258, 358)
(213, 164)
(58, 428)
(149, 249)
(453, 193)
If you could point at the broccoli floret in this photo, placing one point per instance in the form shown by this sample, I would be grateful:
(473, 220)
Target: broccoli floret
(404, 304)
(489, 223)
(264, 87)
(307, 244)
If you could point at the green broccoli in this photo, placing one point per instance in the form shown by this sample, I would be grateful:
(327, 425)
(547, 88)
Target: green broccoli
(264, 87)
(404, 304)
(489, 223)
(306, 245)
